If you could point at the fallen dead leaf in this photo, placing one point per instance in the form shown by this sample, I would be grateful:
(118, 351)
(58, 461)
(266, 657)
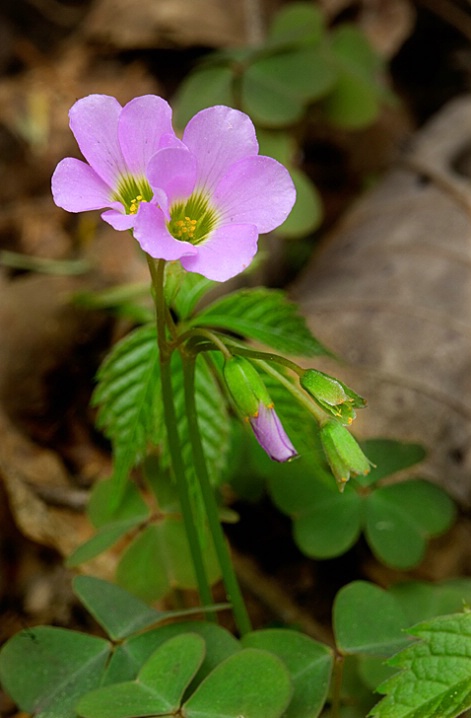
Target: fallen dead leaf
(390, 293)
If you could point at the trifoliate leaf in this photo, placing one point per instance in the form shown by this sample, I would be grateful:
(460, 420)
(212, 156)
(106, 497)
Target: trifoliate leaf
(400, 518)
(368, 621)
(295, 23)
(46, 669)
(204, 87)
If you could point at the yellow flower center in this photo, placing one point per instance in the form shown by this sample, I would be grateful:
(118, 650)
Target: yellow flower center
(131, 192)
(192, 220)
(184, 228)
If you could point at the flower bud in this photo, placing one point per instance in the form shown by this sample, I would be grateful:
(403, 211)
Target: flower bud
(253, 401)
(334, 397)
(245, 385)
(342, 452)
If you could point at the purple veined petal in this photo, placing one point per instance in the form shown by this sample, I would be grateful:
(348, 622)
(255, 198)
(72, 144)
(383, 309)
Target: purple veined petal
(227, 252)
(271, 436)
(142, 124)
(76, 187)
(94, 122)
(118, 220)
(173, 170)
(219, 136)
(152, 234)
(256, 190)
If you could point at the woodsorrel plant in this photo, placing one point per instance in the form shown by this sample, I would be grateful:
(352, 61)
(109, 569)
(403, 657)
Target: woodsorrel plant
(167, 395)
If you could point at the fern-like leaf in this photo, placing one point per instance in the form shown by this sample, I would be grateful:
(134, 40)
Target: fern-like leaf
(127, 397)
(266, 316)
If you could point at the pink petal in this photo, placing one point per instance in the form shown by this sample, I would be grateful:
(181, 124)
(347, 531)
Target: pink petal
(173, 170)
(119, 220)
(219, 136)
(227, 252)
(142, 124)
(76, 187)
(94, 122)
(152, 234)
(256, 190)
(271, 435)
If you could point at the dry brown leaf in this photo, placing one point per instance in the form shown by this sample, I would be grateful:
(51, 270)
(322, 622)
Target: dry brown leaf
(390, 293)
(167, 23)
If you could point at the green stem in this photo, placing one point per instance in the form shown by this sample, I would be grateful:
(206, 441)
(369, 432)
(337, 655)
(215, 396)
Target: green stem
(174, 444)
(195, 334)
(299, 394)
(230, 580)
(337, 675)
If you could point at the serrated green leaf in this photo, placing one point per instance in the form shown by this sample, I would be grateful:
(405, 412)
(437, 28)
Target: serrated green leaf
(117, 611)
(309, 664)
(400, 518)
(435, 673)
(159, 687)
(265, 315)
(251, 683)
(127, 397)
(381, 635)
(45, 670)
(204, 87)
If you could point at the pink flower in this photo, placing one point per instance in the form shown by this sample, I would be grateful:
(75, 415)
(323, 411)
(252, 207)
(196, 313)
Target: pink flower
(270, 434)
(117, 143)
(215, 195)
(203, 200)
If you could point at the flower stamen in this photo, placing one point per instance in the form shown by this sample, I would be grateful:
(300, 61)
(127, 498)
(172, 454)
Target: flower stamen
(184, 228)
(134, 204)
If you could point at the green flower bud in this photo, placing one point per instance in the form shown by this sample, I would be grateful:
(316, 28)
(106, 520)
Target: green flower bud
(245, 385)
(253, 401)
(342, 452)
(323, 387)
(332, 395)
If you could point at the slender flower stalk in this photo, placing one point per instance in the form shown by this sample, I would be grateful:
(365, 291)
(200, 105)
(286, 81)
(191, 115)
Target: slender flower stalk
(157, 274)
(230, 580)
